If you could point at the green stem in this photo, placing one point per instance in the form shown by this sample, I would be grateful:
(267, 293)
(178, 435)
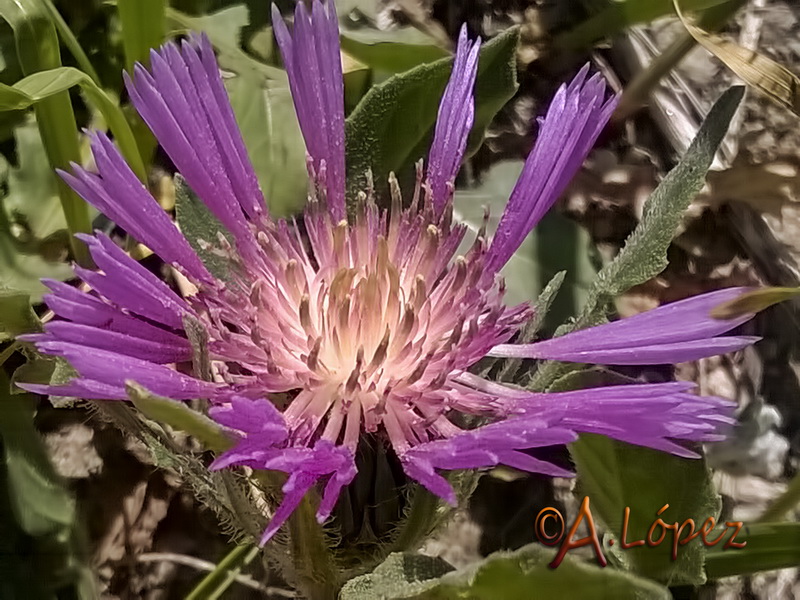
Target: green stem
(37, 48)
(419, 522)
(217, 581)
(144, 25)
(317, 576)
(784, 503)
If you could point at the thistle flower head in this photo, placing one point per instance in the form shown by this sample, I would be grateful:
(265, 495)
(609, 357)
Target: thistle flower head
(321, 332)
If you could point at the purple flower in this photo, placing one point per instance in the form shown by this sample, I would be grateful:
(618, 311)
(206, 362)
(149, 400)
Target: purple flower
(369, 325)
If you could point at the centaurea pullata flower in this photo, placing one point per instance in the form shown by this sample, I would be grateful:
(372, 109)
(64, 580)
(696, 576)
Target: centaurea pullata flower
(367, 325)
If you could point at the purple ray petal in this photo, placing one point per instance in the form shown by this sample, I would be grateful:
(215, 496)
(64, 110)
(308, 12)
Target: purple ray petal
(184, 104)
(647, 355)
(262, 445)
(294, 489)
(199, 56)
(78, 388)
(153, 298)
(257, 418)
(676, 332)
(421, 470)
(486, 446)
(454, 122)
(574, 120)
(119, 194)
(313, 63)
(650, 415)
(333, 489)
(161, 351)
(113, 369)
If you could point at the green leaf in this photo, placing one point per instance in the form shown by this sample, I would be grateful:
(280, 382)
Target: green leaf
(200, 228)
(392, 126)
(13, 99)
(788, 500)
(392, 51)
(616, 475)
(544, 301)
(265, 113)
(70, 41)
(401, 575)
(769, 546)
(508, 575)
(178, 416)
(143, 24)
(39, 499)
(32, 206)
(16, 314)
(645, 252)
(557, 244)
(357, 81)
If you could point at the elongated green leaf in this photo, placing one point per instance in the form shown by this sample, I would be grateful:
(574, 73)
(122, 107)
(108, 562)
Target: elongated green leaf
(217, 582)
(13, 99)
(179, 416)
(392, 51)
(143, 24)
(46, 84)
(769, 546)
(783, 504)
(518, 575)
(392, 126)
(38, 50)
(645, 252)
(41, 503)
